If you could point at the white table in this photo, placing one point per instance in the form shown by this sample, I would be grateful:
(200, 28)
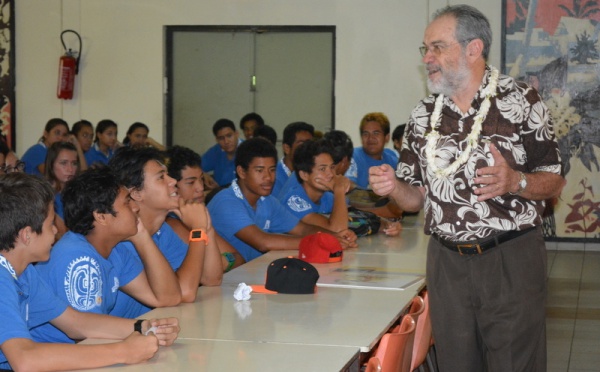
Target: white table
(332, 316)
(213, 355)
(380, 262)
(338, 319)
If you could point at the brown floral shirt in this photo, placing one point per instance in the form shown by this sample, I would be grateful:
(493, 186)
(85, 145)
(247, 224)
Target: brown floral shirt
(518, 123)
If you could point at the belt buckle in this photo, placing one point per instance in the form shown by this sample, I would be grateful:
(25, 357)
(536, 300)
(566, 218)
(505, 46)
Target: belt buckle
(467, 246)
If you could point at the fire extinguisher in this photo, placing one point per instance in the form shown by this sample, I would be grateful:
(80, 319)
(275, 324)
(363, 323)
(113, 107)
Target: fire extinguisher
(68, 67)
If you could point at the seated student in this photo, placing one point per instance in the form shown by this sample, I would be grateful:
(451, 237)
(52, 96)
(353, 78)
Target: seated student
(185, 166)
(9, 161)
(26, 237)
(249, 217)
(249, 123)
(196, 260)
(374, 134)
(220, 158)
(315, 189)
(62, 165)
(342, 151)
(137, 136)
(87, 265)
(104, 143)
(267, 132)
(397, 136)
(83, 130)
(294, 134)
(55, 130)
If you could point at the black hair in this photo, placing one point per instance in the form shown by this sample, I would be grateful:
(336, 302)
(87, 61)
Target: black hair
(94, 190)
(51, 155)
(179, 157)
(252, 116)
(132, 128)
(128, 164)
(398, 132)
(222, 123)
(305, 154)
(78, 126)
(341, 144)
(256, 147)
(53, 123)
(289, 133)
(102, 126)
(25, 200)
(267, 132)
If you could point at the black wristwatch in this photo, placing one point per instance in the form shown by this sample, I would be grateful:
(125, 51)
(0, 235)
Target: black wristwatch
(137, 326)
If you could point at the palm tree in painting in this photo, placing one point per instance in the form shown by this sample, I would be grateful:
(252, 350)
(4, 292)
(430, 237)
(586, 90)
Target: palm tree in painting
(585, 49)
(518, 23)
(581, 8)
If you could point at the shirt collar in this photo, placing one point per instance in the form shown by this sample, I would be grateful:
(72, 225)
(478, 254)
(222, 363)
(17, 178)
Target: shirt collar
(238, 192)
(4, 263)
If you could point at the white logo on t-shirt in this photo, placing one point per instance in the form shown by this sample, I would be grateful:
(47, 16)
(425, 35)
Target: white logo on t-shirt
(83, 283)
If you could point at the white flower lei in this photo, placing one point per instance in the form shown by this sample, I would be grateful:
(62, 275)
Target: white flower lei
(434, 136)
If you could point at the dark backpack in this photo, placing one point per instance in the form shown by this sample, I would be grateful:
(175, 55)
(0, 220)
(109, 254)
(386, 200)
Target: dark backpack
(363, 223)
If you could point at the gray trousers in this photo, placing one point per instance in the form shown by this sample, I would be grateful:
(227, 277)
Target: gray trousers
(488, 311)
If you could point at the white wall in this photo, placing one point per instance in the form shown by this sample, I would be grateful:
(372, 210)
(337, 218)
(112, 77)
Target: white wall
(121, 75)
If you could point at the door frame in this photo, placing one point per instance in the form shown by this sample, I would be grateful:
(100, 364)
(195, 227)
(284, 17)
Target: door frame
(168, 70)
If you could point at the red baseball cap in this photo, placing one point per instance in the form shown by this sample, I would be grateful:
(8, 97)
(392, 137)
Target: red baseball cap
(320, 248)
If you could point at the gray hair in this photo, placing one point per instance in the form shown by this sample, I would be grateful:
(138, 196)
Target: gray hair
(471, 24)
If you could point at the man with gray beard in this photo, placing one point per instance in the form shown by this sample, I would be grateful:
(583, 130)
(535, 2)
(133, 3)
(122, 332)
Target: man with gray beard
(480, 157)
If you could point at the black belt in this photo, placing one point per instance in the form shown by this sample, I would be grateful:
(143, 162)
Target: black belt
(479, 246)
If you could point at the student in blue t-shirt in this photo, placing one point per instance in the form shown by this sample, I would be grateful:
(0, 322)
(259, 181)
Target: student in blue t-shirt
(196, 260)
(87, 266)
(26, 237)
(104, 143)
(249, 123)
(315, 189)
(220, 158)
(249, 217)
(374, 135)
(56, 130)
(294, 134)
(185, 166)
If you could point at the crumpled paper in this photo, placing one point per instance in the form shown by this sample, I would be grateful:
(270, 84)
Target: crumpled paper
(242, 292)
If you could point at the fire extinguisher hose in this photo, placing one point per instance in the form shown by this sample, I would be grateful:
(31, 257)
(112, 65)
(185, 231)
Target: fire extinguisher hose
(69, 50)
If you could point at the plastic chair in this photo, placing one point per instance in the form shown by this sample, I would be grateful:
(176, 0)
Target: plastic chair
(423, 339)
(394, 353)
(417, 306)
(373, 365)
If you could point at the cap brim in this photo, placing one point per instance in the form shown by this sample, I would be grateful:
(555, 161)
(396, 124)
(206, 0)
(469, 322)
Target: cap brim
(261, 289)
(335, 259)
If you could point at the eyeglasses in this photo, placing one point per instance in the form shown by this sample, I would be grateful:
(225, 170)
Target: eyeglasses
(437, 49)
(19, 167)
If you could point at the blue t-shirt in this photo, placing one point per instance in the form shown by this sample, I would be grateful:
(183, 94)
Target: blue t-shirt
(295, 199)
(33, 157)
(230, 212)
(174, 250)
(78, 274)
(95, 156)
(58, 206)
(215, 160)
(25, 303)
(281, 177)
(361, 162)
